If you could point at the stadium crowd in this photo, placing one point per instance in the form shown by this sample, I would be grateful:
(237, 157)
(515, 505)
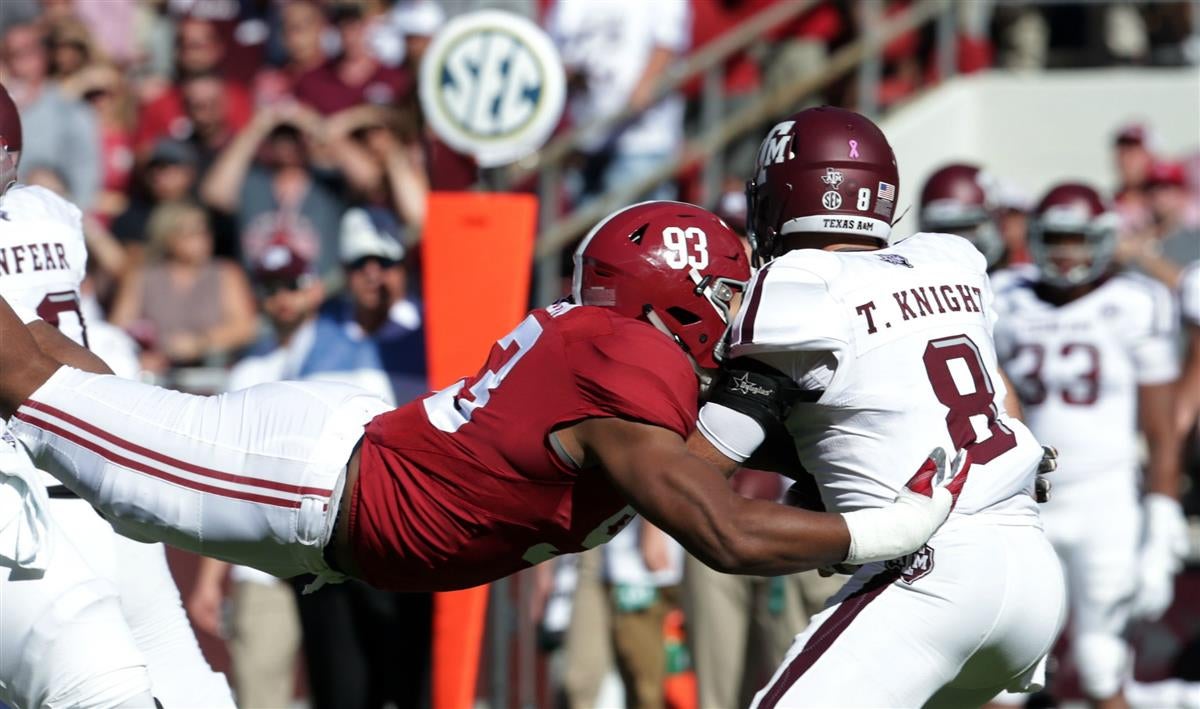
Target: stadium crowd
(253, 176)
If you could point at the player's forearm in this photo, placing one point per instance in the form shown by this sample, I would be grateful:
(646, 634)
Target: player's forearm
(23, 365)
(1156, 416)
(769, 539)
(63, 349)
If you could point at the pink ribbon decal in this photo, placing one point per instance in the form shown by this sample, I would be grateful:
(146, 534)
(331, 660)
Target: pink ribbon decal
(854, 148)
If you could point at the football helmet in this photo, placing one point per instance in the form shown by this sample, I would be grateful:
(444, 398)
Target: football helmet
(956, 200)
(825, 170)
(1069, 212)
(671, 264)
(10, 141)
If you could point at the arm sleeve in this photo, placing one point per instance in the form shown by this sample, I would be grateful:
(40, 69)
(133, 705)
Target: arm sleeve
(1153, 347)
(732, 432)
(636, 373)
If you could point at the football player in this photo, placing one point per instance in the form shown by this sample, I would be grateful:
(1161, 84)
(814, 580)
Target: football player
(1091, 352)
(955, 200)
(87, 618)
(885, 351)
(577, 418)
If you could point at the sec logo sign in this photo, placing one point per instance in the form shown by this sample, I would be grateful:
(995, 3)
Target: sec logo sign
(492, 86)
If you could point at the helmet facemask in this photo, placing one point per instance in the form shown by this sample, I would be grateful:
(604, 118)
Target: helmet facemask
(9, 160)
(1085, 260)
(687, 329)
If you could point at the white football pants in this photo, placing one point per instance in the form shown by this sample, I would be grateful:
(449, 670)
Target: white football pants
(252, 477)
(63, 639)
(972, 613)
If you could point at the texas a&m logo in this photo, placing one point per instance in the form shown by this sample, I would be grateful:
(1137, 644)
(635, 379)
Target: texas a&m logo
(914, 566)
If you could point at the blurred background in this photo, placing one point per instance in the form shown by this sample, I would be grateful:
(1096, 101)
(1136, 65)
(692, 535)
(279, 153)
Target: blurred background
(256, 177)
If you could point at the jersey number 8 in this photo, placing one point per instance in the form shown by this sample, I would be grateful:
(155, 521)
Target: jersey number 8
(963, 408)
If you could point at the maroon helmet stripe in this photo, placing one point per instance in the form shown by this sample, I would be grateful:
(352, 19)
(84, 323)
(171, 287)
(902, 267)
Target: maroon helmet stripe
(822, 639)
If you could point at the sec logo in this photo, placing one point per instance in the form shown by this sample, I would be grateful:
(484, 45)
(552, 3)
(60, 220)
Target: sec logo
(492, 86)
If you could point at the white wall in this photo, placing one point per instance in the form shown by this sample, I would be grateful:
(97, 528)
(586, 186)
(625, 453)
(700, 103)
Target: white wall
(1037, 129)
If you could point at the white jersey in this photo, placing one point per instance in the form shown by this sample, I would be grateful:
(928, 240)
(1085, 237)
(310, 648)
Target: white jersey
(1077, 366)
(1189, 294)
(898, 344)
(42, 257)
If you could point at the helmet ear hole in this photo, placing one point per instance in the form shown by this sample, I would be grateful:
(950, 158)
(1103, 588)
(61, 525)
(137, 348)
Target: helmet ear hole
(683, 316)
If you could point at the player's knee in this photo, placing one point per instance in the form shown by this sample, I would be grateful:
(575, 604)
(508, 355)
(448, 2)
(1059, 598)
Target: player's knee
(1103, 662)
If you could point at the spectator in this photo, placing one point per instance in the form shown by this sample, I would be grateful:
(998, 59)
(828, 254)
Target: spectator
(616, 52)
(417, 21)
(264, 633)
(356, 76)
(67, 138)
(1171, 237)
(372, 335)
(186, 305)
(403, 184)
(282, 191)
(113, 26)
(71, 50)
(103, 88)
(643, 567)
(1176, 212)
(169, 175)
(1133, 156)
(208, 123)
(302, 27)
(169, 110)
(365, 647)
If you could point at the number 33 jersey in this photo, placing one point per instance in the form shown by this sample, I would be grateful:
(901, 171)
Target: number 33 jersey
(1077, 366)
(895, 348)
(42, 258)
(465, 485)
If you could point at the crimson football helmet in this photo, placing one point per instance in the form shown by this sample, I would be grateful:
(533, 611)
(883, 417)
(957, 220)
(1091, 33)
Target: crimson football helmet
(671, 264)
(823, 170)
(10, 141)
(1072, 235)
(956, 200)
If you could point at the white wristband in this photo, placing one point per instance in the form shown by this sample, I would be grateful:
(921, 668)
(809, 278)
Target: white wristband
(896, 530)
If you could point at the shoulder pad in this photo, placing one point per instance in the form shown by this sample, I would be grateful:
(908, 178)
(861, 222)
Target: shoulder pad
(788, 306)
(34, 202)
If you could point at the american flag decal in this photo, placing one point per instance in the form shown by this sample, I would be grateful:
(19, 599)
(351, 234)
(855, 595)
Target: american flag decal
(887, 191)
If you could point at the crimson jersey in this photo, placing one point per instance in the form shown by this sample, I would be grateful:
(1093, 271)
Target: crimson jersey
(464, 487)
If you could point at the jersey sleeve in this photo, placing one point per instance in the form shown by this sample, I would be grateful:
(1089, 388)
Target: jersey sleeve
(1189, 294)
(1153, 336)
(636, 373)
(788, 309)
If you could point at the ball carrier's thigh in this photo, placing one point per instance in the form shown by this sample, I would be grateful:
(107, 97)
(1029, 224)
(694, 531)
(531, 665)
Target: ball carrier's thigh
(252, 477)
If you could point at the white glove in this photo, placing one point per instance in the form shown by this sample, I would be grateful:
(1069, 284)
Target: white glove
(904, 526)
(1164, 546)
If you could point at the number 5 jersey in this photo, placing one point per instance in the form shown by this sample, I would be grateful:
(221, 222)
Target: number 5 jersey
(1077, 366)
(895, 349)
(467, 484)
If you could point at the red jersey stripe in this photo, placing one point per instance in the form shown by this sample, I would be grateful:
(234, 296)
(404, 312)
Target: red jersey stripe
(175, 462)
